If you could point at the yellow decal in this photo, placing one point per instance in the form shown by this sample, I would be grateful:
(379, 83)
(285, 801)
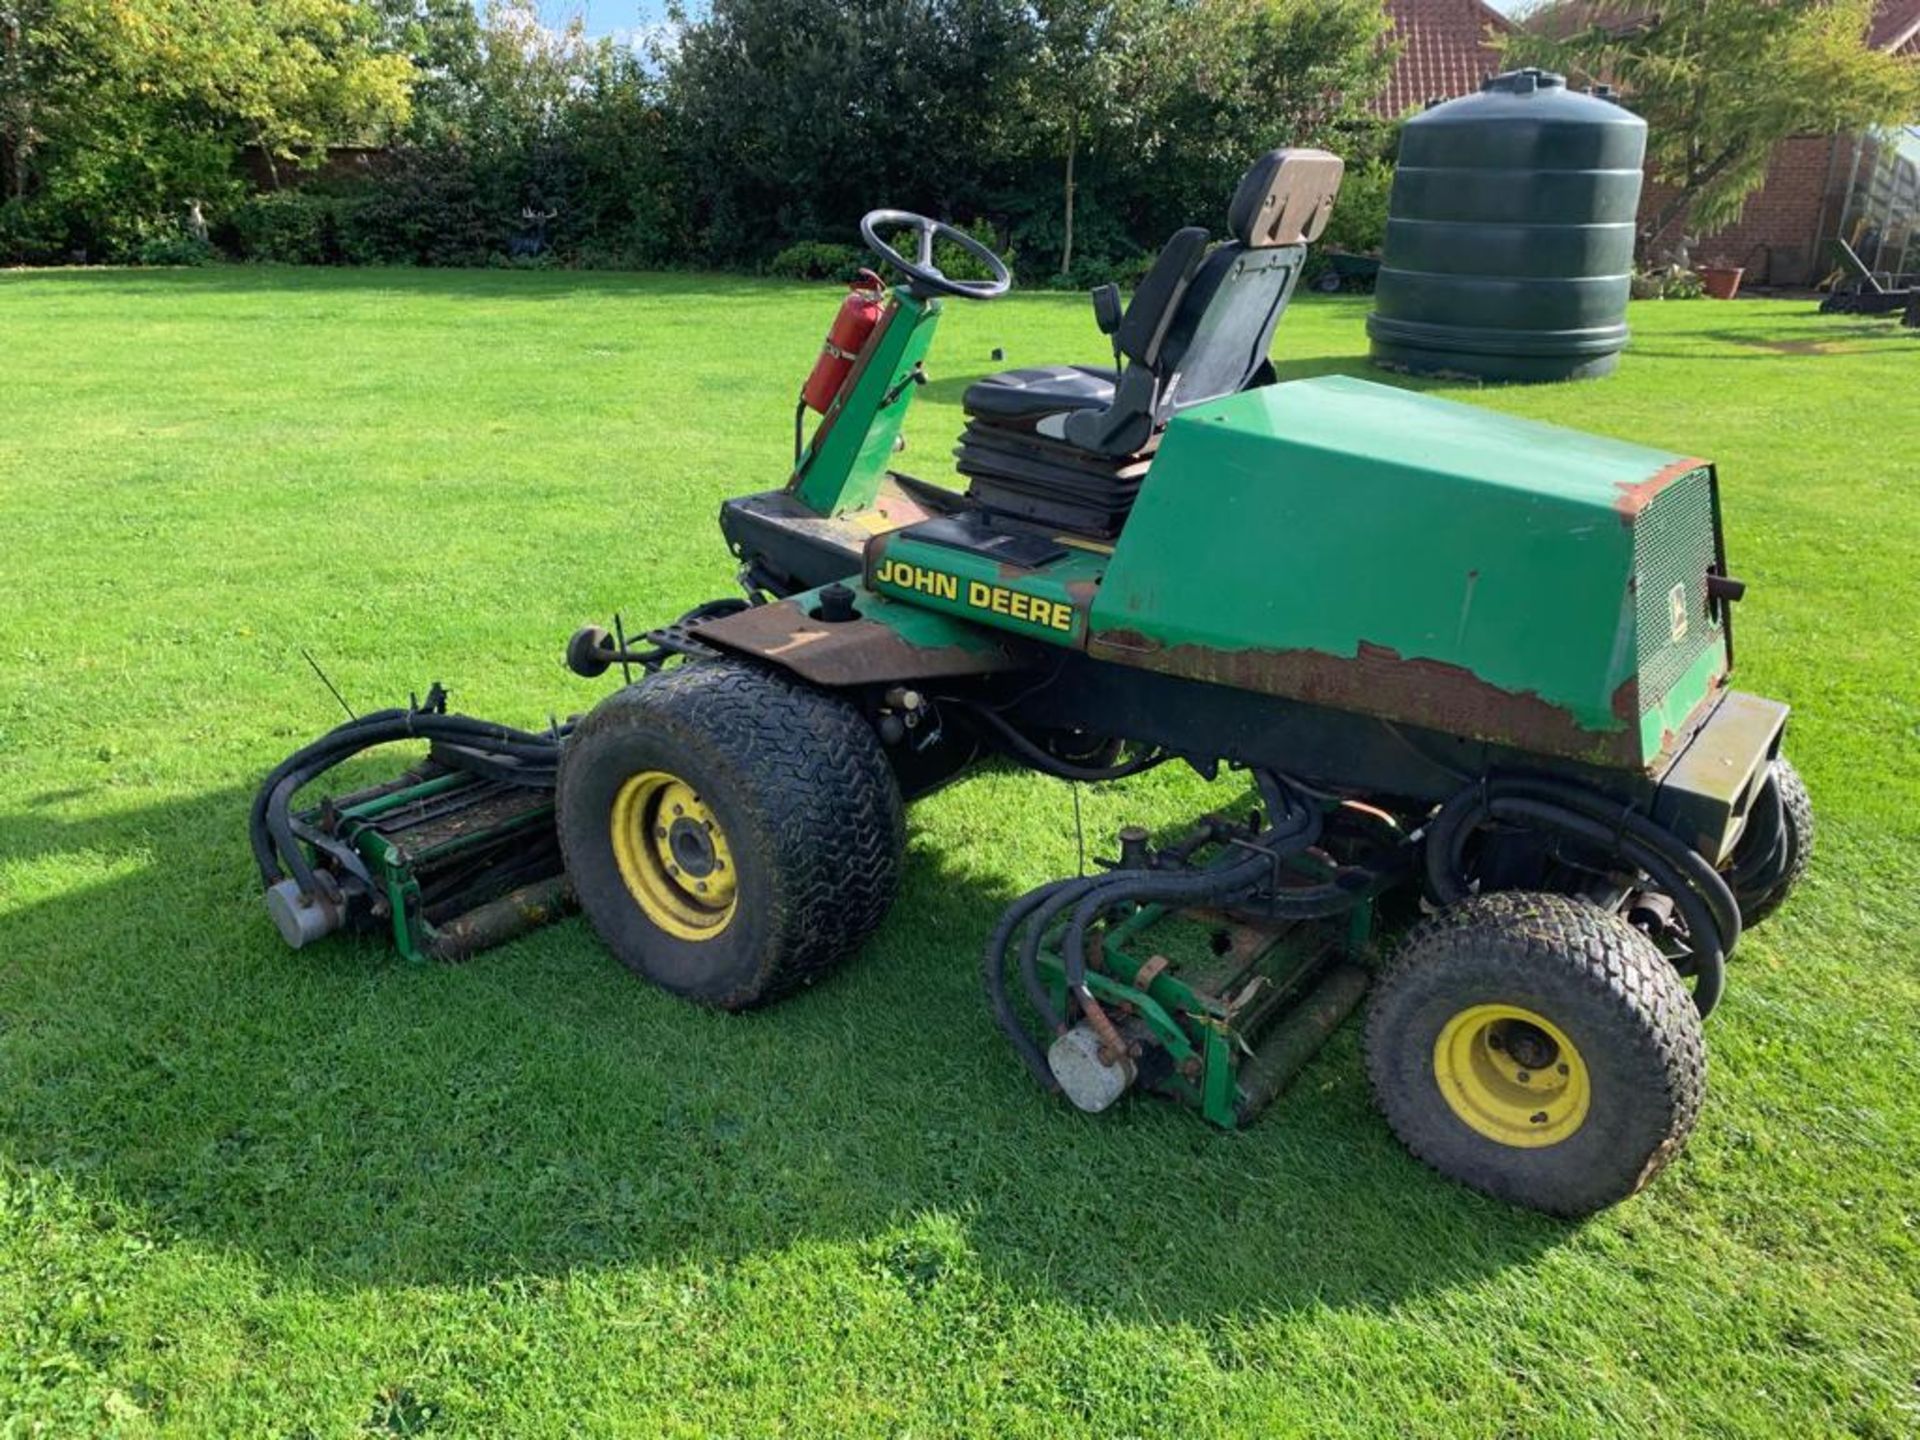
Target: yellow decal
(979, 595)
(936, 583)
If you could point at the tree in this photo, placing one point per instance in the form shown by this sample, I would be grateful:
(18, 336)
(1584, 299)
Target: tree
(1721, 82)
(1085, 57)
(1231, 79)
(132, 109)
(797, 117)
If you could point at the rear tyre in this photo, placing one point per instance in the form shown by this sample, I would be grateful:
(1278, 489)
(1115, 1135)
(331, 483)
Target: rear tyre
(1538, 1049)
(730, 832)
(1769, 859)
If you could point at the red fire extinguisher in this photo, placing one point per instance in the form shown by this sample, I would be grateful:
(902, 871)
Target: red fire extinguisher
(859, 313)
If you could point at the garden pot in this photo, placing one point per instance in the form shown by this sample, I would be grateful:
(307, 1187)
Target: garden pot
(1722, 282)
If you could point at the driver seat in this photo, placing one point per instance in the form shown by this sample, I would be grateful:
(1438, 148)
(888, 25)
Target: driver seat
(1067, 445)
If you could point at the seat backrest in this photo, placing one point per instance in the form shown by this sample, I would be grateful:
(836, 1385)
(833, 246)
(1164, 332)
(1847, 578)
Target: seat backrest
(1209, 326)
(1151, 311)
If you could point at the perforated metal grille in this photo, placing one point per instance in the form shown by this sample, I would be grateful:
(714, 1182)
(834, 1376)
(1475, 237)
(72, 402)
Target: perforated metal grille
(1673, 547)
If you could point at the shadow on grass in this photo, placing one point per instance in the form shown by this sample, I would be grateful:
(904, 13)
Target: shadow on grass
(349, 1120)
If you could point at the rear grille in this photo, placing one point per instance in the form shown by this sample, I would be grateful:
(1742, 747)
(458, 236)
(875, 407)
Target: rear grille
(1673, 546)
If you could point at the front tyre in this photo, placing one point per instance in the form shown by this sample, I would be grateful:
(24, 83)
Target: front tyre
(730, 832)
(1536, 1048)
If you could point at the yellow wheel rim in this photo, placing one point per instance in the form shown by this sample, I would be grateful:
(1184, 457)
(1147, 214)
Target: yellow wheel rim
(673, 855)
(1512, 1075)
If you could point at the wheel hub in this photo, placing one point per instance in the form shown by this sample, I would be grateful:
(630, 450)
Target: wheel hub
(673, 855)
(1512, 1075)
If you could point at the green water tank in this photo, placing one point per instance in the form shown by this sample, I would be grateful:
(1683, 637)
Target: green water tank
(1509, 246)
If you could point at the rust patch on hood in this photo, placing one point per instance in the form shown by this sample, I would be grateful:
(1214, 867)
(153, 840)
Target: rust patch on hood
(1633, 496)
(1378, 680)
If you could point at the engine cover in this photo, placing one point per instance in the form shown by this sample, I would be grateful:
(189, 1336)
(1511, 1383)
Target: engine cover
(1359, 546)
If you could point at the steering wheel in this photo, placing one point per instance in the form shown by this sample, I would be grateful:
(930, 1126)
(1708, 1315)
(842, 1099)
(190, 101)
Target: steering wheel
(921, 271)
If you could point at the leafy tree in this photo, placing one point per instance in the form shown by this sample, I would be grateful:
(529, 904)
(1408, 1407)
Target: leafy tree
(1721, 82)
(1085, 68)
(796, 118)
(136, 108)
(443, 41)
(1232, 79)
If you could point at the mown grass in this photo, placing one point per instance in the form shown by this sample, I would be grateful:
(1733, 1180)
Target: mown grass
(246, 1191)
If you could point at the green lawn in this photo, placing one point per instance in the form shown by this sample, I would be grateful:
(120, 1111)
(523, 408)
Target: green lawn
(246, 1191)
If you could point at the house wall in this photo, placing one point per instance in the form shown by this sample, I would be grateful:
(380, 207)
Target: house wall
(1777, 237)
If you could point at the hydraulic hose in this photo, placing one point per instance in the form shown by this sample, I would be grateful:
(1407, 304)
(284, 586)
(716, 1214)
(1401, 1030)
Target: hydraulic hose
(1049, 764)
(531, 759)
(993, 972)
(1698, 891)
(1084, 899)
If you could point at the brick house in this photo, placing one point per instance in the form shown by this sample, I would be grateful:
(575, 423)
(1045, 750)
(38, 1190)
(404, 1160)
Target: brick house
(1865, 188)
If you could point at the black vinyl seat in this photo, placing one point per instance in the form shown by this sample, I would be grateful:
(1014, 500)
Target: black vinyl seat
(1067, 445)
(1042, 390)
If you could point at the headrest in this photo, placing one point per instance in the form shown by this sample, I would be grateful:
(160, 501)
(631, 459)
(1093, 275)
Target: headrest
(1285, 198)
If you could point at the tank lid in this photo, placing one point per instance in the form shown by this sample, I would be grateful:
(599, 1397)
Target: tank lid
(1530, 94)
(1524, 82)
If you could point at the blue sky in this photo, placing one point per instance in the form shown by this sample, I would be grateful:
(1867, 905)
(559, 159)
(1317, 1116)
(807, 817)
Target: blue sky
(605, 17)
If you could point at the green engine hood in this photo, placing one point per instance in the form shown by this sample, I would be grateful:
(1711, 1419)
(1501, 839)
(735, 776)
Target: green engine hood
(1358, 545)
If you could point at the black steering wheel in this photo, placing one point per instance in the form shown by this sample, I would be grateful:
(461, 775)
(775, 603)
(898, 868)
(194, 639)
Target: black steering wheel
(921, 271)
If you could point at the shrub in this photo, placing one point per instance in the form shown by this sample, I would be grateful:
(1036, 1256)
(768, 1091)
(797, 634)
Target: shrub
(957, 264)
(1671, 282)
(1683, 285)
(1358, 224)
(284, 227)
(30, 235)
(818, 260)
(177, 248)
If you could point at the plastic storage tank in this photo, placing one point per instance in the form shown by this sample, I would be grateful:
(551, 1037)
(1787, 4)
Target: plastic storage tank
(1509, 247)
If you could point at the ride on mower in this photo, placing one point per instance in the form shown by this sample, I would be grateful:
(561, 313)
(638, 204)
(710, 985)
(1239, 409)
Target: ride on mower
(1475, 668)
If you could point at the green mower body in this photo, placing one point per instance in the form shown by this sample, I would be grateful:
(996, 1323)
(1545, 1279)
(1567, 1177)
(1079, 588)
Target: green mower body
(1476, 668)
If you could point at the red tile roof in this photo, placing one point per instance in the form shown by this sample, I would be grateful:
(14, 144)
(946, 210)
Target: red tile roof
(1443, 51)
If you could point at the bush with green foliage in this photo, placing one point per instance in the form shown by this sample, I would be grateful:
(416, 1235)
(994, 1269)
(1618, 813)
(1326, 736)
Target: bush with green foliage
(1075, 134)
(819, 260)
(1358, 224)
(179, 248)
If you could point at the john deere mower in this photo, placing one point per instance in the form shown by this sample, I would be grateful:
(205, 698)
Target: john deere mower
(1475, 671)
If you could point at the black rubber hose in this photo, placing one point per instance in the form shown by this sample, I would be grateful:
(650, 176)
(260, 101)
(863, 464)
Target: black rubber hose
(1055, 900)
(993, 972)
(1709, 950)
(1147, 889)
(1466, 811)
(1711, 884)
(1699, 891)
(277, 851)
(1293, 824)
(1048, 764)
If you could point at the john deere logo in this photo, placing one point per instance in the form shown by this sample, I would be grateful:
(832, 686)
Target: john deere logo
(1677, 611)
